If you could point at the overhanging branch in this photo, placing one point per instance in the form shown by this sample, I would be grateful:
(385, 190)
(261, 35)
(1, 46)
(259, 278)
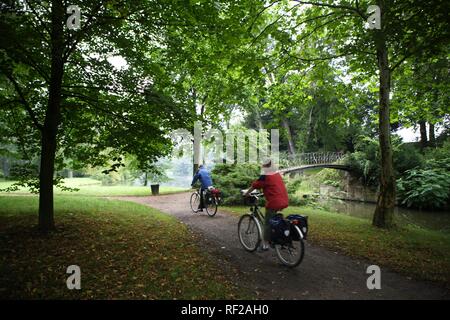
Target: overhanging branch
(335, 6)
(23, 100)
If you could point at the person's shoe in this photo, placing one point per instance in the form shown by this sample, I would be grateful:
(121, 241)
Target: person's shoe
(200, 210)
(263, 247)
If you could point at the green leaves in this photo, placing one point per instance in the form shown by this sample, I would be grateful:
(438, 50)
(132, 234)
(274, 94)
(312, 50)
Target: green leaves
(425, 188)
(231, 178)
(169, 48)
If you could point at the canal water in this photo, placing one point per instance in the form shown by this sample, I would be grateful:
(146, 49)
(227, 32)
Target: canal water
(434, 220)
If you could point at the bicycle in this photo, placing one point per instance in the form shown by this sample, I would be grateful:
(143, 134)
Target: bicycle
(250, 234)
(210, 200)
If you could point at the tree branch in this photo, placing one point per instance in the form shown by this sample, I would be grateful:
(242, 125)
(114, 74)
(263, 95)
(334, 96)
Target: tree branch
(259, 14)
(19, 135)
(412, 52)
(94, 104)
(82, 32)
(23, 100)
(335, 6)
(314, 18)
(37, 16)
(322, 25)
(271, 24)
(320, 58)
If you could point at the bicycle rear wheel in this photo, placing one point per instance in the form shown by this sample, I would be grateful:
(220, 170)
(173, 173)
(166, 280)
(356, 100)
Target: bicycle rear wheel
(211, 207)
(291, 254)
(195, 201)
(249, 232)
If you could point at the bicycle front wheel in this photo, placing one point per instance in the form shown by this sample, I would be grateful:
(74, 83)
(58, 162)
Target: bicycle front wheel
(249, 231)
(195, 202)
(291, 254)
(211, 207)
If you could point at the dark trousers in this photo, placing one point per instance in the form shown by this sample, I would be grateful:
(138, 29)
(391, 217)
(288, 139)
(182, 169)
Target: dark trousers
(202, 199)
(270, 213)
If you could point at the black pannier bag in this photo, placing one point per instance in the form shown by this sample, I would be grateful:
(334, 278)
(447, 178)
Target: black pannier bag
(280, 230)
(299, 221)
(208, 196)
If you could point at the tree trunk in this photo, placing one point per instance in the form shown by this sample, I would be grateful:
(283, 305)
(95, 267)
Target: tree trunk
(52, 117)
(291, 144)
(423, 134)
(384, 212)
(46, 221)
(146, 179)
(6, 165)
(258, 119)
(309, 141)
(431, 136)
(197, 150)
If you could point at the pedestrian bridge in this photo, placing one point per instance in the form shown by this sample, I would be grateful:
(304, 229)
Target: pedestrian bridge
(305, 161)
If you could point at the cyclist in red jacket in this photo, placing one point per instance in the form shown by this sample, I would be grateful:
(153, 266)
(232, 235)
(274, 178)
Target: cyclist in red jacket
(275, 193)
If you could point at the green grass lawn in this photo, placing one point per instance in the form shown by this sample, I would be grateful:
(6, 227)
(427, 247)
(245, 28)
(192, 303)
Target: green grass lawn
(420, 253)
(125, 251)
(91, 187)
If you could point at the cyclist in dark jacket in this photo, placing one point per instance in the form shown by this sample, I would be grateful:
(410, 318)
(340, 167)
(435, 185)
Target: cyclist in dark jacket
(206, 181)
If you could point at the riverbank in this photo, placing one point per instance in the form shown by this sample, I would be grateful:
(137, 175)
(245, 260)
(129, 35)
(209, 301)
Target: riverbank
(419, 253)
(437, 220)
(339, 192)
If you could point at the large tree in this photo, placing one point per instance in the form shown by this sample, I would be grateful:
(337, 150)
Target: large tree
(63, 97)
(408, 29)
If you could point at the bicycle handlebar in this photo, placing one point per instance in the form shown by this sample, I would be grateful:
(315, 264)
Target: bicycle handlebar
(254, 193)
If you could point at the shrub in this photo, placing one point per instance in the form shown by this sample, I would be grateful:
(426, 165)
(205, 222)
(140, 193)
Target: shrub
(110, 179)
(24, 170)
(365, 161)
(424, 188)
(295, 200)
(157, 176)
(406, 157)
(439, 157)
(330, 177)
(232, 178)
(364, 166)
(293, 185)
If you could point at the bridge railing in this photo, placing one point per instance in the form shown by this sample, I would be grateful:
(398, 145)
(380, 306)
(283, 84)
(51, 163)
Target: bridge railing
(311, 158)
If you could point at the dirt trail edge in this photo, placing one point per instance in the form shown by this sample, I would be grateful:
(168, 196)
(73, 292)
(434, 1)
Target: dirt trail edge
(323, 274)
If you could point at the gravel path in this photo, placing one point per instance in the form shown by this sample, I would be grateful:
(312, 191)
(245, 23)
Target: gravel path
(323, 274)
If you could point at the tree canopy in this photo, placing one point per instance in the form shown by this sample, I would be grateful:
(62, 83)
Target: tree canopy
(134, 71)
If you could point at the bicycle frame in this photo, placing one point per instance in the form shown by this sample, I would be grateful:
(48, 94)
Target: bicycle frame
(256, 212)
(292, 245)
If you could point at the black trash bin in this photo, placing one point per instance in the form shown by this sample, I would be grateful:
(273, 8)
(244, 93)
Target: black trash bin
(155, 189)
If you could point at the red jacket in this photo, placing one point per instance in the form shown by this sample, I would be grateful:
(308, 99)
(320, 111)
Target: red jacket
(274, 191)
